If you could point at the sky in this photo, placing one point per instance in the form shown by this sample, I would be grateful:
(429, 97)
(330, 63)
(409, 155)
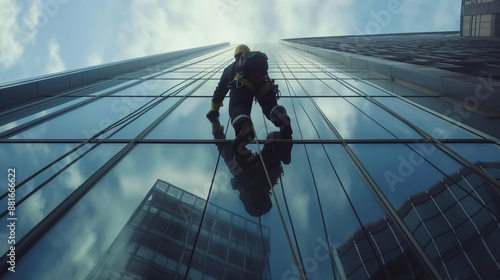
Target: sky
(40, 37)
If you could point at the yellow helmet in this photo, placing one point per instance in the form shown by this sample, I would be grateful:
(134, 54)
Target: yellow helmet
(241, 48)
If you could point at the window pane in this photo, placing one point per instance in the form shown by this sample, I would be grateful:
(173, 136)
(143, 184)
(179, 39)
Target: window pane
(311, 122)
(99, 115)
(29, 158)
(188, 121)
(98, 221)
(317, 87)
(104, 88)
(349, 121)
(341, 88)
(385, 119)
(478, 152)
(39, 111)
(398, 170)
(431, 124)
(40, 204)
(179, 75)
(296, 88)
(152, 87)
(366, 89)
(206, 89)
(132, 130)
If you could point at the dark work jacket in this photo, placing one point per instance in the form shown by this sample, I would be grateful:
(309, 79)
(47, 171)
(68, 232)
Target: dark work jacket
(242, 98)
(222, 88)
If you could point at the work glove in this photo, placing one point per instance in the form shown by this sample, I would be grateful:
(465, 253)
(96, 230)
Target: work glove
(214, 111)
(217, 130)
(280, 119)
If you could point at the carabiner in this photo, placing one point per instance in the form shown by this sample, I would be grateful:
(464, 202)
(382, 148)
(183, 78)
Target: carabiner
(238, 79)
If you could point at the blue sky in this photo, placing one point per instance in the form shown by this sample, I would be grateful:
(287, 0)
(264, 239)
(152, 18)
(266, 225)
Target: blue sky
(39, 37)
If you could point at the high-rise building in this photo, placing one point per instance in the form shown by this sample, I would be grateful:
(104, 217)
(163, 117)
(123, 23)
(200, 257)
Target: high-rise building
(459, 76)
(480, 18)
(392, 175)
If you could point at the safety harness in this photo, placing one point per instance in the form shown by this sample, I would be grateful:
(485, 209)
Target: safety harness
(239, 81)
(252, 73)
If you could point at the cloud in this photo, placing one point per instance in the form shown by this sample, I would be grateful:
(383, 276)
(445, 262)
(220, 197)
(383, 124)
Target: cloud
(428, 15)
(93, 59)
(155, 27)
(181, 174)
(149, 27)
(55, 62)
(18, 29)
(309, 19)
(10, 48)
(447, 16)
(31, 18)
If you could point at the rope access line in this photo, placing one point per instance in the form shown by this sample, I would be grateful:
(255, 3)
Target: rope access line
(278, 207)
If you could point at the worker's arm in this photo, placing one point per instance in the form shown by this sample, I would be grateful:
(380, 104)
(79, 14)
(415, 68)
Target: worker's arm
(220, 92)
(221, 89)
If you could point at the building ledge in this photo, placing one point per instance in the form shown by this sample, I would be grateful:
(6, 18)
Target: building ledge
(461, 87)
(15, 94)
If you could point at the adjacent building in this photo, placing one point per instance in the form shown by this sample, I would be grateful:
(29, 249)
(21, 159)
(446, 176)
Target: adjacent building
(158, 242)
(459, 75)
(457, 230)
(480, 18)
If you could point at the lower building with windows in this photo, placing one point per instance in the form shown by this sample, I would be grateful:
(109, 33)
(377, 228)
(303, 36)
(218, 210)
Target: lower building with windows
(480, 18)
(453, 222)
(158, 241)
(389, 178)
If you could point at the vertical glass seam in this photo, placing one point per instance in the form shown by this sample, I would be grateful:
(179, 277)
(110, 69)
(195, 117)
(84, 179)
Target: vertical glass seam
(422, 223)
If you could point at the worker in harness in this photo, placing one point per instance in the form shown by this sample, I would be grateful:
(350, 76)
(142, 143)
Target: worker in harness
(247, 79)
(251, 181)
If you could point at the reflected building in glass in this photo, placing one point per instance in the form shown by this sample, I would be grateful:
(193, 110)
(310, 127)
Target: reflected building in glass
(455, 225)
(394, 170)
(157, 242)
(480, 18)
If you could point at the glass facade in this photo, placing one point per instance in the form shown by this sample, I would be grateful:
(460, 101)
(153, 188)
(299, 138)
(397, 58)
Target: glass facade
(158, 240)
(124, 180)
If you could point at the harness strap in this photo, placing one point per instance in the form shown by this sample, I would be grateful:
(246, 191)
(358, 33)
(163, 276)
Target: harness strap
(263, 90)
(245, 82)
(248, 84)
(239, 81)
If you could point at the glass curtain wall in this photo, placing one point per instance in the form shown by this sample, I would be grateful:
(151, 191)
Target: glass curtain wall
(124, 180)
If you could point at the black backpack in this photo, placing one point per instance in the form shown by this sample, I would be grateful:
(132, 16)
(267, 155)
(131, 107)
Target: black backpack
(253, 66)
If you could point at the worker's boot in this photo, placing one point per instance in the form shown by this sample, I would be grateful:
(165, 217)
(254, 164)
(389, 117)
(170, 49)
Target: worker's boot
(281, 149)
(280, 119)
(245, 135)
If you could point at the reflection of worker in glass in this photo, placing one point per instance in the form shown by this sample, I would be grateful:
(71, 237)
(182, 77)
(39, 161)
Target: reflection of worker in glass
(251, 179)
(247, 78)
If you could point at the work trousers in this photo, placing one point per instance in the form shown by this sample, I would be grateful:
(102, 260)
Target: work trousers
(240, 105)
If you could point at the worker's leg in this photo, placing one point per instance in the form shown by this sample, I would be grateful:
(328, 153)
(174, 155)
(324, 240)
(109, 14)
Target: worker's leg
(276, 150)
(276, 114)
(240, 106)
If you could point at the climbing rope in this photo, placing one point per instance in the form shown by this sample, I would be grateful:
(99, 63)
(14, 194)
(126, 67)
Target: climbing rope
(278, 206)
